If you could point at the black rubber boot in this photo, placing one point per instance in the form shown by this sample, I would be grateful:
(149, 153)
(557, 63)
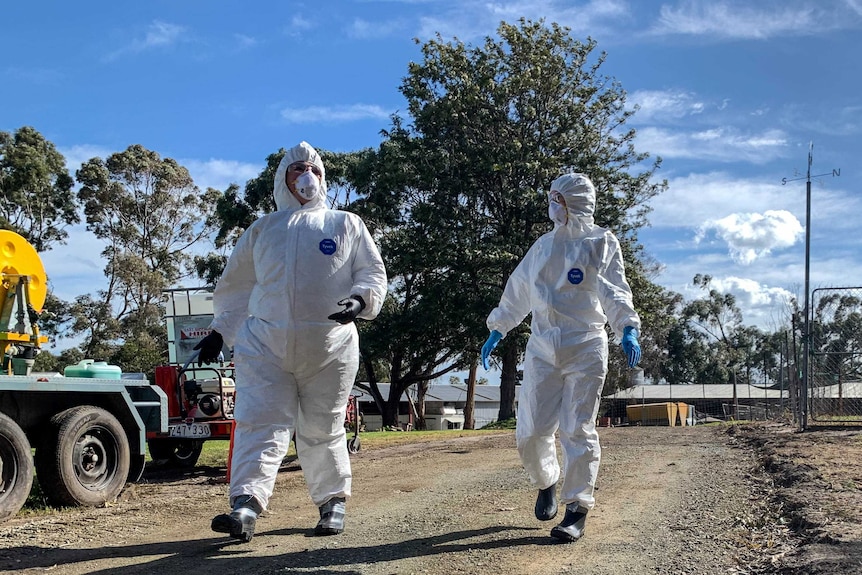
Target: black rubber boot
(239, 523)
(571, 528)
(546, 503)
(331, 517)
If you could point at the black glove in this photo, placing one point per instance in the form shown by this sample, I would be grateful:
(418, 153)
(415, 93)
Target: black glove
(210, 347)
(353, 306)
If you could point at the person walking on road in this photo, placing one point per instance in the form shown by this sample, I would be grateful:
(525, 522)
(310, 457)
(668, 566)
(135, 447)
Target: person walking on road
(573, 281)
(286, 302)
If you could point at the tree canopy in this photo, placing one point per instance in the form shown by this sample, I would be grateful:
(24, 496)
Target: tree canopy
(458, 188)
(36, 198)
(149, 213)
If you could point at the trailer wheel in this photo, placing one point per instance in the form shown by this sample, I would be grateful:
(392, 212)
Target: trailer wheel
(85, 457)
(16, 467)
(180, 453)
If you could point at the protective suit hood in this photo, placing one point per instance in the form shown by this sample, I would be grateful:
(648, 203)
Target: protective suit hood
(580, 195)
(284, 199)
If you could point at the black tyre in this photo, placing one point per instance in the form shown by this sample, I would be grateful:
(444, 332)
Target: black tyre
(353, 444)
(180, 453)
(16, 467)
(84, 459)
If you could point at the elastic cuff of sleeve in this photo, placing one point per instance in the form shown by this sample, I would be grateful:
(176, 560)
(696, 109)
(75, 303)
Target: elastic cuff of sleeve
(360, 300)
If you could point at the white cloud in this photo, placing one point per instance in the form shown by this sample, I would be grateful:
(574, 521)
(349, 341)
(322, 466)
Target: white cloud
(750, 236)
(695, 198)
(243, 41)
(762, 305)
(764, 300)
(470, 20)
(657, 105)
(334, 114)
(219, 174)
(158, 35)
(362, 29)
(162, 34)
(737, 20)
(77, 267)
(724, 144)
(297, 25)
(77, 155)
(831, 122)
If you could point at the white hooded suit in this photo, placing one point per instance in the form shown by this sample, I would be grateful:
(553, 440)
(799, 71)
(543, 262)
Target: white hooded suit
(573, 281)
(294, 367)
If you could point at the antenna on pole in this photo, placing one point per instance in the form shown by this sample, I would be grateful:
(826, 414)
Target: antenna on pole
(806, 330)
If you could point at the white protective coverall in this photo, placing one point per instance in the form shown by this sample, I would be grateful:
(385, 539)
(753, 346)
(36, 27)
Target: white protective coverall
(294, 367)
(569, 279)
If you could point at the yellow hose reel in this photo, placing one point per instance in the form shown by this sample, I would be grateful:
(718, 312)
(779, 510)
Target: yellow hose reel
(23, 283)
(19, 257)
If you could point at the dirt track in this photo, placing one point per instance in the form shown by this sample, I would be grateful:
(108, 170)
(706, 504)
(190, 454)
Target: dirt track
(670, 500)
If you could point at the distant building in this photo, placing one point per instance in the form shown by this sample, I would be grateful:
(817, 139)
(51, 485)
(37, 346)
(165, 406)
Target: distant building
(444, 406)
(710, 401)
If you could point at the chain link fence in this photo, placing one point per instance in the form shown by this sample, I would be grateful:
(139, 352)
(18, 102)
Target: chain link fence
(835, 371)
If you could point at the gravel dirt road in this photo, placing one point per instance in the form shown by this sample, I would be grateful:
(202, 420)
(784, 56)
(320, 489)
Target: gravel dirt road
(702, 500)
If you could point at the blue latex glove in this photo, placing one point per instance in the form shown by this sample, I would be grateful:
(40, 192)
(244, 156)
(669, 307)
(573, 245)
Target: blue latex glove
(631, 347)
(489, 346)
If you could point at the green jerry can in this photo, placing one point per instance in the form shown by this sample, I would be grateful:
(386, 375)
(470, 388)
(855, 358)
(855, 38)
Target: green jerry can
(93, 369)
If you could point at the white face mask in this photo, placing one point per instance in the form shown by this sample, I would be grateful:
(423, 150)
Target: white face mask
(307, 185)
(558, 213)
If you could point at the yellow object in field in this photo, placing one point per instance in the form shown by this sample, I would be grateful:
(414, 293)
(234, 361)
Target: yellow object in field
(19, 258)
(23, 289)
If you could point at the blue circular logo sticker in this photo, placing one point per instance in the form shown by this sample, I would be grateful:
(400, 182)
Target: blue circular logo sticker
(576, 276)
(327, 246)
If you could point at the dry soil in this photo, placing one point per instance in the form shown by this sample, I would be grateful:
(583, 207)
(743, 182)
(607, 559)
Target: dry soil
(745, 499)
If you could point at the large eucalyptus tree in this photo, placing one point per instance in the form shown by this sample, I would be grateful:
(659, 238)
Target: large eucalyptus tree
(150, 214)
(36, 197)
(489, 128)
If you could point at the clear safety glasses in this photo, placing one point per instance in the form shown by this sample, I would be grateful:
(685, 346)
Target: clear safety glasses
(301, 167)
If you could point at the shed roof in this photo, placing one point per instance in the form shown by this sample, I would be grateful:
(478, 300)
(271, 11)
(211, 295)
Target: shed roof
(717, 391)
(724, 391)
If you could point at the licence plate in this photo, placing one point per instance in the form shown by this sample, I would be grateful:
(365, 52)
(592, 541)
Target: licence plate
(190, 430)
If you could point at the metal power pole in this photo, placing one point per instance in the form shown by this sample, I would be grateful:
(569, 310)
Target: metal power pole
(806, 330)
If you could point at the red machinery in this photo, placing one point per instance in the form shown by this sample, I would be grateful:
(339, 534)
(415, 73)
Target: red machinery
(200, 399)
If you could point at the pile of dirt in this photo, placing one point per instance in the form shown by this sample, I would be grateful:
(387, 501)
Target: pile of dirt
(816, 492)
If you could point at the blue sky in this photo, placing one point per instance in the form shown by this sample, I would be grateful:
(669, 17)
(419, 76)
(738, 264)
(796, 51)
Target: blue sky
(731, 93)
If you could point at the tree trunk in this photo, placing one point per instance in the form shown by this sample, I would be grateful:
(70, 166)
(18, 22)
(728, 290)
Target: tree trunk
(469, 418)
(421, 390)
(508, 379)
(392, 406)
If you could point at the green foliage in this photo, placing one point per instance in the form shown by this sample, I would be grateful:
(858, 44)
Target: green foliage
(36, 198)
(836, 337)
(149, 213)
(710, 343)
(504, 424)
(459, 192)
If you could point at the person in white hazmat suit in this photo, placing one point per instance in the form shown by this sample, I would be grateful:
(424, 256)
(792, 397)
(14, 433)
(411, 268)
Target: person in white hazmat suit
(286, 302)
(572, 280)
